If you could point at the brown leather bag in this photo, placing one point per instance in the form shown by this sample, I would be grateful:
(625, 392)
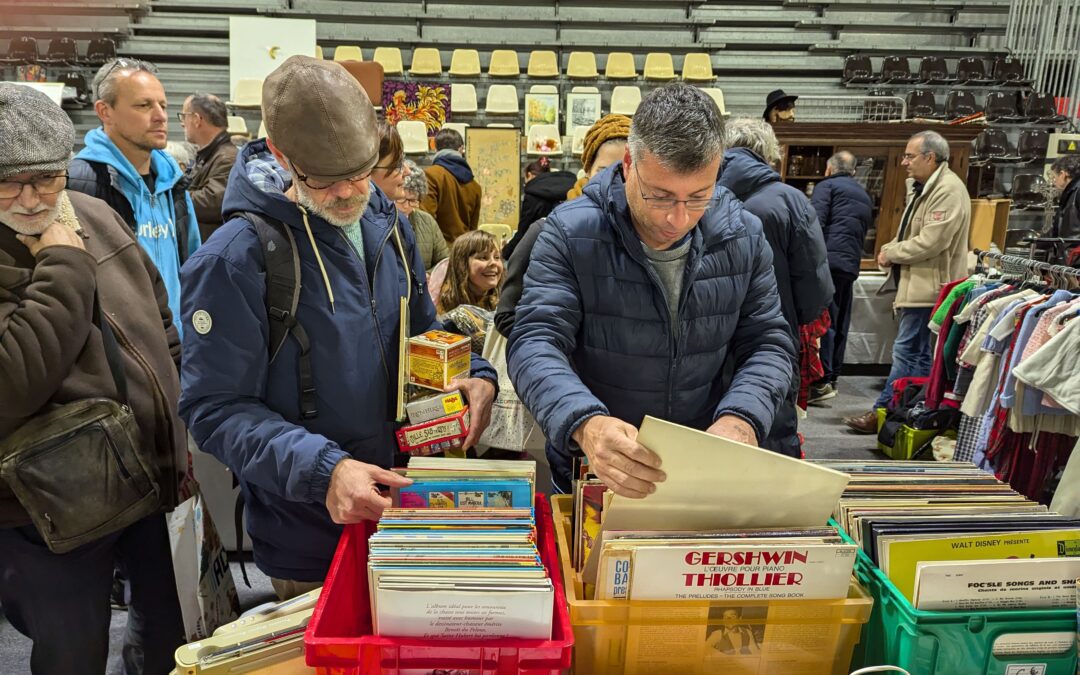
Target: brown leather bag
(78, 470)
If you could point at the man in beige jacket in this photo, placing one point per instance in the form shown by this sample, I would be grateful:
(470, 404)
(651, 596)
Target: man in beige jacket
(929, 251)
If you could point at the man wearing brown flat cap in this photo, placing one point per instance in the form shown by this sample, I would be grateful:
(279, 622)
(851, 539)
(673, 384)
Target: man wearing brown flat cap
(298, 395)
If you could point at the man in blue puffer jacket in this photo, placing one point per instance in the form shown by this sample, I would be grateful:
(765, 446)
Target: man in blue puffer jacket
(846, 213)
(302, 476)
(636, 294)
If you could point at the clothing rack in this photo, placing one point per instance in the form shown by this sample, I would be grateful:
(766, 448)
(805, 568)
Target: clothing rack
(1016, 262)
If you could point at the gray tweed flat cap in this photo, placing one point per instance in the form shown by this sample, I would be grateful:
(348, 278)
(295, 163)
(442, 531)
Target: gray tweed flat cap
(35, 133)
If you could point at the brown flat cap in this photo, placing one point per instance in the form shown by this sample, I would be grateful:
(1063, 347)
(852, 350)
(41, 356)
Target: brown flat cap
(318, 115)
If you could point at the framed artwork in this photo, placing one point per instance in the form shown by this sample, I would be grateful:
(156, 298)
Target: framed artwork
(582, 110)
(495, 158)
(259, 44)
(427, 102)
(541, 109)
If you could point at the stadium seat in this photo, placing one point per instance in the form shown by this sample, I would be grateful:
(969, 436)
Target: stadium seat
(262, 129)
(582, 66)
(992, 145)
(858, 70)
(63, 50)
(504, 63)
(1002, 107)
(972, 70)
(1009, 70)
(348, 53)
(237, 126)
(1028, 191)
(426, 61)
(544, 134)
(502, 99)
(390, 58)
(22, 50)
(100, 51)
(659, 66)
(459, 127)
(625, 100)
(501, 231)
(717, 95)
(413, 136)
(1042, 109)
(934, 70)
(960, 103)
(544, 89)
(76, 91)
(697, 67)
(577, 146)
(896, 70)
(465, 63)
(620, 66)
(1032, 146)
(462, 98)
(248, 94)
(319, 54)
(921, 103)
(543, 64)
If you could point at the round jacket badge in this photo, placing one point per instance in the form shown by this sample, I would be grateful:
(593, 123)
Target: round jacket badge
(202, 322)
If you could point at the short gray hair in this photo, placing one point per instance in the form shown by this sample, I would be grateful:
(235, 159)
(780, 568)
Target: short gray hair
(183, 152)
(416, 183)
(211, 108)
(104, 85)
(932, 141)
(843, 163)
(680, 126)
(756, 135)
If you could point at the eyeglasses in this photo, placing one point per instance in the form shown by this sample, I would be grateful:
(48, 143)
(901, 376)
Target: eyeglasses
(43, 185)
(321, 185)
(393, 168)
(408, 201)
(126, 64)
(907, 156)
(666, 204)
(181, 115)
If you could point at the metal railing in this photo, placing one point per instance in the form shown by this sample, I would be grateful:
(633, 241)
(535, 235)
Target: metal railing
(850, 109)
(1045, 36)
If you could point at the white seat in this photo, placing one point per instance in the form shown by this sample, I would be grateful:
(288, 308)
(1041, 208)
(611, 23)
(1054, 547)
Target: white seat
(502, 99)
(248, 94)
(501, 231)
(413, 136)
(348, 53)
(582, 65)
(544, 136)
(578, 145)
(543, 89)
(659, 66)
(459, 127)
(262, 130)
(501, 125)
(625, 100)
(319, 53)
(543, 64)
(504, 63)
(697, 67)
(462, 98)
(237, 126)
(585, 90)
(426, 61)
(620, 66)
(718, 96)
(390, 59)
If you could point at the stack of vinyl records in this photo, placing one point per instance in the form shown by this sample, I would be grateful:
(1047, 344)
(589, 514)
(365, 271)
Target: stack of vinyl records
(952, 537)
(457, 558)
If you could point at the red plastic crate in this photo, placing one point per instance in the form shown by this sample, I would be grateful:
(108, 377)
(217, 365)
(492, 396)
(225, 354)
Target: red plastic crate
(338, 640)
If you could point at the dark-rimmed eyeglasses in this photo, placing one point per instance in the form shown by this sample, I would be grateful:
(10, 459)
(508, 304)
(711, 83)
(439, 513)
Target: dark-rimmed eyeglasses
(408, 201)
(43, 185)
(181, 115)
(666, 204)
(322, 185)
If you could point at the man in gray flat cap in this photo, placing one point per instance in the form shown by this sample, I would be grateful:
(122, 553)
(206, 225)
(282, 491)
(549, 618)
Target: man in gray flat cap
(297, 394)
(63, 255)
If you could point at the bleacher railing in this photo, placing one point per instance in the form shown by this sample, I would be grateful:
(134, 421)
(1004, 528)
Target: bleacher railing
(851, 109)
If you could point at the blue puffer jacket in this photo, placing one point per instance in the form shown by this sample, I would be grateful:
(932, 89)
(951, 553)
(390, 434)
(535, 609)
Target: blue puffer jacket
(793, 233)
(593, 336)
(845, 213)
(245, 411)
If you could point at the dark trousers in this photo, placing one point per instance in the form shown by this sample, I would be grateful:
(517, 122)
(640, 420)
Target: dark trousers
(834, 342)
(61, 602)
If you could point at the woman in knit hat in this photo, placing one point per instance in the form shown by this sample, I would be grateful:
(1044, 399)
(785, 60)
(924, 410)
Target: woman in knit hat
(605, 144)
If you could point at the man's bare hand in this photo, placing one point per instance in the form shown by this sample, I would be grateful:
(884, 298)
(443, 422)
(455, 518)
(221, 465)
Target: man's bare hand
(480, 394)
(354, 494)
(56, 234)
(883, 260)
(734, 428)
(626, 467)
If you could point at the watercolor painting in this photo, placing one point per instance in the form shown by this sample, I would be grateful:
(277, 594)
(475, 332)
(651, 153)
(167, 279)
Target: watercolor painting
(541, 109)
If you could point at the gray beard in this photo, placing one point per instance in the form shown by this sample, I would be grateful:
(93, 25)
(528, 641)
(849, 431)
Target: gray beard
(305, 200)
(40, 224)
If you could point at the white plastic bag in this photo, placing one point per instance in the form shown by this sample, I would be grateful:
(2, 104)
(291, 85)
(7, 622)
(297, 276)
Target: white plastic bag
(512, 425)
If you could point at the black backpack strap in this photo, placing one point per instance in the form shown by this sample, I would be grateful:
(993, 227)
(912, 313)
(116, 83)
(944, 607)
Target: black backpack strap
(282, 264)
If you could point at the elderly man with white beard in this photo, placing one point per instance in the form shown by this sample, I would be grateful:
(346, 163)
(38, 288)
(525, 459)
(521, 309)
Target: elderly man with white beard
(306, 422)
(79, 297)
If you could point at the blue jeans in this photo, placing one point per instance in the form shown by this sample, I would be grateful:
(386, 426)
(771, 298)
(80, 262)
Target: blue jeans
(911, 354)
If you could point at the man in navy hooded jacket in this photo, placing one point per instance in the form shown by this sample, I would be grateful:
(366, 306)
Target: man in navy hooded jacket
(637, 293)
(304, 476)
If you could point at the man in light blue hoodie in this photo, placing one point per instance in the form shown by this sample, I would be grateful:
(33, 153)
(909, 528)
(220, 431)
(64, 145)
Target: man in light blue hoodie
(125, 165)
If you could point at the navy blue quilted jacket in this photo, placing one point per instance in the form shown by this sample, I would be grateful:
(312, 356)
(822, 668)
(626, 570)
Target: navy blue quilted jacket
(845, 213)
(593, 336)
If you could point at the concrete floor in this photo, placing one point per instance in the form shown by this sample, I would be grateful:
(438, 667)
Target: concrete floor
(824, 434)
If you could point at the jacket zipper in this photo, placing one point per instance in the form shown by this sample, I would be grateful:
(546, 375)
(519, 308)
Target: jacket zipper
(169, 488)
(369, 288)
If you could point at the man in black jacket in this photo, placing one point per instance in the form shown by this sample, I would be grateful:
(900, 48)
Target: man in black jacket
(1066, 173)
(845, 213)
(791, 228)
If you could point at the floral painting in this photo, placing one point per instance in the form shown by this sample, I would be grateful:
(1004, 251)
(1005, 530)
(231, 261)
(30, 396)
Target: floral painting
(495, 158)
(427, 102)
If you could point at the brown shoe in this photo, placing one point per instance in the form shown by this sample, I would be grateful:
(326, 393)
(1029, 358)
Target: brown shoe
(863, 424)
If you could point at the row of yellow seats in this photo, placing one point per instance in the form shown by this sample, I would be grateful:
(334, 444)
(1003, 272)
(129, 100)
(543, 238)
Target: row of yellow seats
(427, 61)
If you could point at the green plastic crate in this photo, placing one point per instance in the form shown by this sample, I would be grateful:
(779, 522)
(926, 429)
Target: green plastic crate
(908, 440)
(951, 643)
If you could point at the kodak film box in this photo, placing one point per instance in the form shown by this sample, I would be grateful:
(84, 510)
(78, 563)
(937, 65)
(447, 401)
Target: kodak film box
(437, 358)
(430, 408)
(441, 435)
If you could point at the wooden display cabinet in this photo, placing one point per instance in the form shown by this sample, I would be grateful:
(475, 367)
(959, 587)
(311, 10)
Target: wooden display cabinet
(878, 148)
